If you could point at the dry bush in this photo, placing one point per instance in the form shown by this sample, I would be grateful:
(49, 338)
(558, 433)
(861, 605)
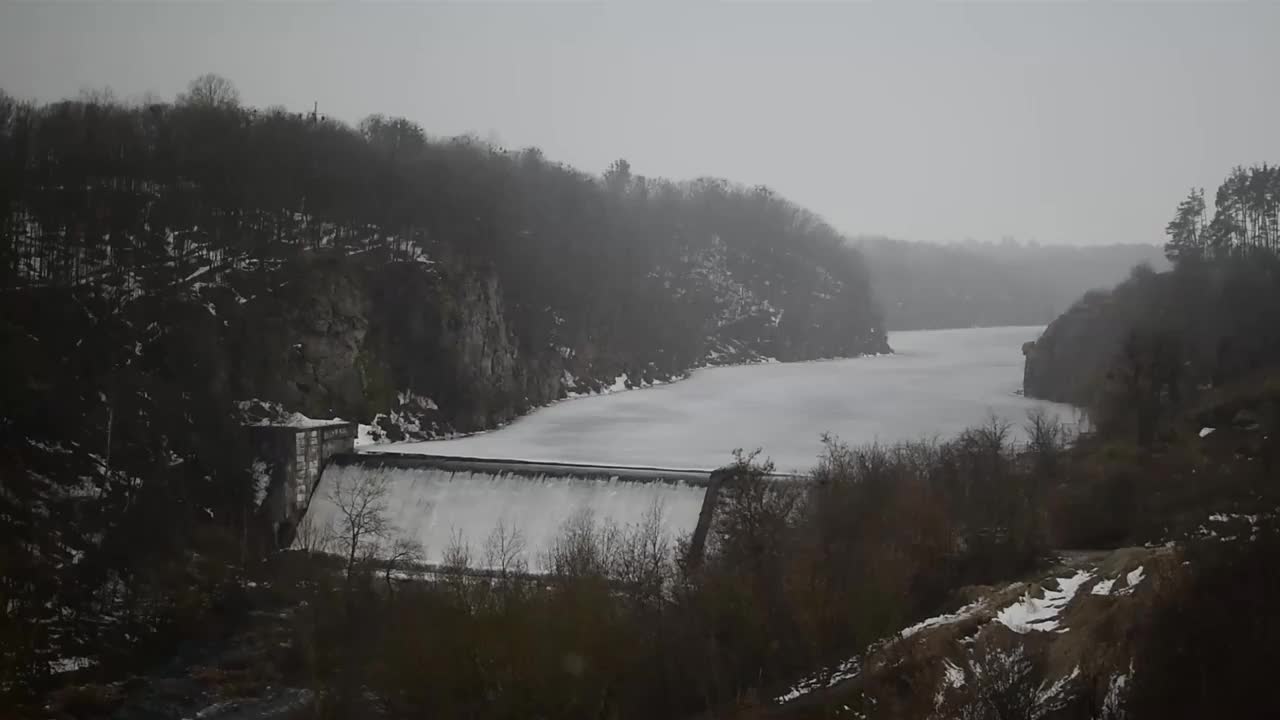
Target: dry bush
(1047, 442)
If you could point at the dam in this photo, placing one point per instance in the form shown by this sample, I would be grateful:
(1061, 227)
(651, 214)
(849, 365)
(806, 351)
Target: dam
(591, 455)
(450, 502)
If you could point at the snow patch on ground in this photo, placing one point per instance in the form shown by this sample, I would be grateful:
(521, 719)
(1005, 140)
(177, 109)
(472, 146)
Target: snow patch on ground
(962, 614)
(952, 675)
(1050, 696)
(850, 668)
(70, 664)
(1041, 614)
(820, 681)
(952, 679)
(1224, 517)
(1133, 578)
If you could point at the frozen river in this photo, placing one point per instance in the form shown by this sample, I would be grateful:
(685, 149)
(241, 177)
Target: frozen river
(936, 384)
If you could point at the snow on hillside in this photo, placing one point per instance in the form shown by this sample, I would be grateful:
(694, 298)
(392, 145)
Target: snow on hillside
(993, 638)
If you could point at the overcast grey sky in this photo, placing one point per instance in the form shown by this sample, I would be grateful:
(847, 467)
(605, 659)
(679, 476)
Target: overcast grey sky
(1077, 123)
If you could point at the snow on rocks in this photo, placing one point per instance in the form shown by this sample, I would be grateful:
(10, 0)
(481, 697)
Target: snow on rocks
(411, 399)
(1103, 587)
(263, 412)
(1041, 614)
(261, 481)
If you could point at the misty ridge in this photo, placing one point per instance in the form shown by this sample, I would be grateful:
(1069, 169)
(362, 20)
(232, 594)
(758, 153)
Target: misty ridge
(306, 418)
(975, 284)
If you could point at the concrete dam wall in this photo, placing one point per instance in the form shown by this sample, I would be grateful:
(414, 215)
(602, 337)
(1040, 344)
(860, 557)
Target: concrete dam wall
(439, 501)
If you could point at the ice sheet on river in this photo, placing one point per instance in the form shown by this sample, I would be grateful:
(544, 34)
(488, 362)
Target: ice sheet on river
(938, 383)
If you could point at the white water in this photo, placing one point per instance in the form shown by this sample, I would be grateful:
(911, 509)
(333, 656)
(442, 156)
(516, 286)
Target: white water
(437, 507)
(937, 383)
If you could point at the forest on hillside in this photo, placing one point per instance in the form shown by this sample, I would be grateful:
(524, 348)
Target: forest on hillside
(103, 194)
(973, 284)
(163, 262)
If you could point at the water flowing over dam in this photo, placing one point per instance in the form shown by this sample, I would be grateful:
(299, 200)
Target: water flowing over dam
(442, 501)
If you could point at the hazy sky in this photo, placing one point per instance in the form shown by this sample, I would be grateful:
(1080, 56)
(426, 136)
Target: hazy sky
(1080, 122)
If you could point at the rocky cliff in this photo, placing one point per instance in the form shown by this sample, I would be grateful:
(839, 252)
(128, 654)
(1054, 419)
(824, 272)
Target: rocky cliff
(1069, 359)
(1199, 325)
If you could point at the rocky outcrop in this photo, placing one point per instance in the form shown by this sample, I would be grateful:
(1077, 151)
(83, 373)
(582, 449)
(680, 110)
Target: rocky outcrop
(1067, 361)
(355, 338)
(423, 349)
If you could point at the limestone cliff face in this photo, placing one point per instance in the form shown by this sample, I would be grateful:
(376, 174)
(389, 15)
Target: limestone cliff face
(423, 349)
(356, 339)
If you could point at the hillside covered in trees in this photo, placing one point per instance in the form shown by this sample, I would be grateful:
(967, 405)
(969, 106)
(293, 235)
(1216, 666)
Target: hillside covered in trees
(583, 277)
(972, 284)
(1158, 337)
(162, 263)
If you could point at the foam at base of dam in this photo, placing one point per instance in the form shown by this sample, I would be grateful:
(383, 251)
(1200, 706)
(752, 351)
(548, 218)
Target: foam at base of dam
(437, 504)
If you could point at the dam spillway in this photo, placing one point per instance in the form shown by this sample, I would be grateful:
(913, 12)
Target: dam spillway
(443, 501)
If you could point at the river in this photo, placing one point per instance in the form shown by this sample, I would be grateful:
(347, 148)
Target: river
(936, 383)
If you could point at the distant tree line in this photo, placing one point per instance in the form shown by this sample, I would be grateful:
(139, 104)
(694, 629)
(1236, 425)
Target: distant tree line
(970, 284)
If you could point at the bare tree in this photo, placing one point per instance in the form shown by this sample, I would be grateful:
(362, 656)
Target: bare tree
(644, 560)
(404, 552)
(312, 536)
(211, 90)
(504, 550)
(583, 547)
(457, 556)
(104, 95)
(362, 528)
(1046, 439)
